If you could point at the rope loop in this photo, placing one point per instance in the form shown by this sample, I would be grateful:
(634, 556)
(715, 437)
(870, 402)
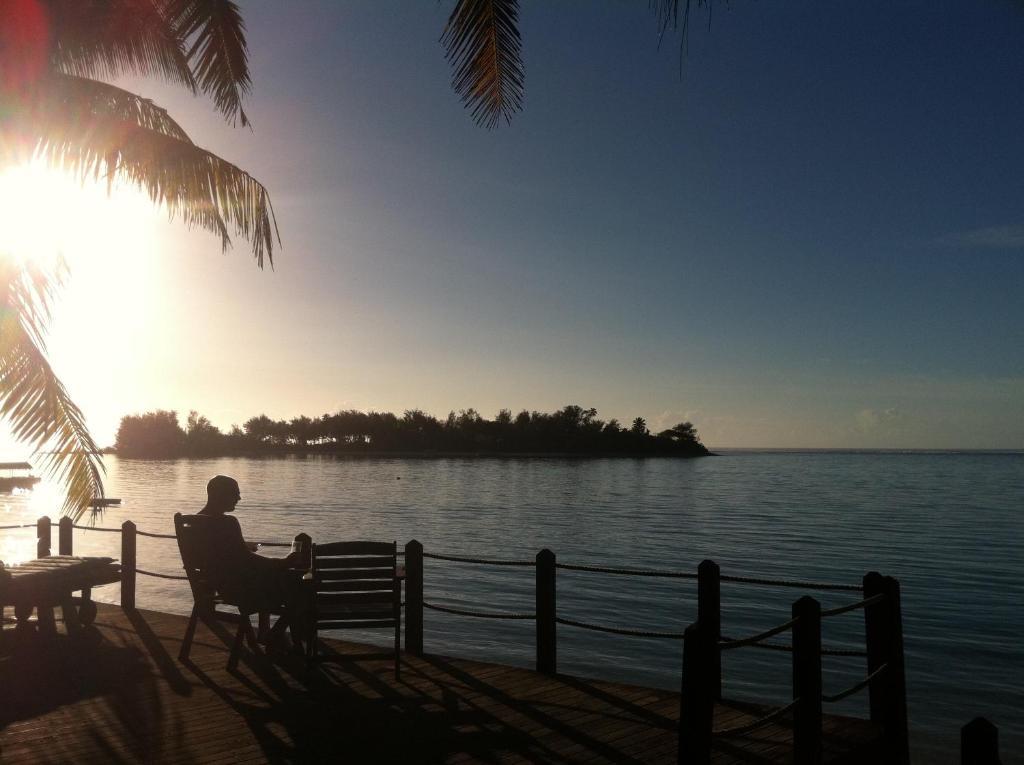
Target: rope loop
(625, 571)
(619, 630)
(95, 528)
(759, 722)
(155, 536)
(477, 614)
(851, 606)
(727, 645)
(789, 649)
(790, 583)
(854, 688)
(482, 561)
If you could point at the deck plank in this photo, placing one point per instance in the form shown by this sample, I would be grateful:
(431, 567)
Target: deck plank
(119, 694)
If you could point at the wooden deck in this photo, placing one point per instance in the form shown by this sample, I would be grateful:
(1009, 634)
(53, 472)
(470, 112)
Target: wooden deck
(119, 694)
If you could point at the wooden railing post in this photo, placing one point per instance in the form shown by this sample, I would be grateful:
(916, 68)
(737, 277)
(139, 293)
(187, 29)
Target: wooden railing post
(709, 614)
(883, 627)
(304, 542)
(895, 680)
(979, 743)
(874, 640)
(414, 598)
(547, 658)
(64, 536)
(128, 560)
(696, 698)
(807, 681)
(43, 540)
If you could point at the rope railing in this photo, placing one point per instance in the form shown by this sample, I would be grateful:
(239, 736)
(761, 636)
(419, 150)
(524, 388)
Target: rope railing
(18, 526)
(141, 533)
(158, 575)
(625, 571)
(727, 645)
(853, 688)
(851, 606)
(476, 614)
(789, 649)
(760, 722)
(154, 535)
(482, 561)
(791, 583)
(619, 630)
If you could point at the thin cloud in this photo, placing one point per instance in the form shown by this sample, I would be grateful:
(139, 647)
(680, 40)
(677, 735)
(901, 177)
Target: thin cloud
(989, 238)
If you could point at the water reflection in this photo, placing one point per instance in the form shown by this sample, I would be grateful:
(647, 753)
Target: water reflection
(947, 526)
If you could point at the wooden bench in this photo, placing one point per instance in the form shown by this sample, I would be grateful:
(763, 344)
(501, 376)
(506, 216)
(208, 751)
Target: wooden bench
(44, 583)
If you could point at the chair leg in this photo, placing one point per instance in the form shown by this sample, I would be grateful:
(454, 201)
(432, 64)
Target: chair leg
(236, 647)
(190, 632)
(250, 636)
(398, 655)
(311, 646)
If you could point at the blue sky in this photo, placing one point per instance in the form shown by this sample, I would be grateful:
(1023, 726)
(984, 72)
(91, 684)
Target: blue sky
(813, 236)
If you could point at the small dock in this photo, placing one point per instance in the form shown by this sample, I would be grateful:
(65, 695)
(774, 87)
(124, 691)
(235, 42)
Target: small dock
(119, 694)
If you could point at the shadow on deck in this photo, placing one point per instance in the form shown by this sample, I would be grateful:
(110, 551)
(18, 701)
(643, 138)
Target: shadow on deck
(119, 694)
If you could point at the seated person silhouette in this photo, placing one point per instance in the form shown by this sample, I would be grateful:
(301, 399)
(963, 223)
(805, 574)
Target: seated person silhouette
(239, 574)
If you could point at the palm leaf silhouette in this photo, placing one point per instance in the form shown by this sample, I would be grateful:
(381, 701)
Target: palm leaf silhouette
(32, 398)
(218, 54)
(116, 38)
(482, 43)
(119, 138)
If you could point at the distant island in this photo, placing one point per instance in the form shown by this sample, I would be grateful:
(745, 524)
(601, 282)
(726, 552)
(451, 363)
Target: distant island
(571, 430)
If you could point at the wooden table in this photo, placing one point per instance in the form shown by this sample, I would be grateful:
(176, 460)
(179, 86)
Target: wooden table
(46, 582)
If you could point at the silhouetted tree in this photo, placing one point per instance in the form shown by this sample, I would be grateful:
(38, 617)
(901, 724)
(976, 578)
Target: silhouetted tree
(201, 436)
(684, 431)
(153, 434)
(260, 428)
(572, 429)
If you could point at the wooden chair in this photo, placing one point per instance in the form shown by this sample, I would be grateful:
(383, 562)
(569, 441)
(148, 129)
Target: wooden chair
(354, 585)
(193, 549)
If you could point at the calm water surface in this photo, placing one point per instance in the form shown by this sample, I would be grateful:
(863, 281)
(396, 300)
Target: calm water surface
(948, 526)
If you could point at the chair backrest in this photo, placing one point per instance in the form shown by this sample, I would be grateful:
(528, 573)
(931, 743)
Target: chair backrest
(355, 584)
(194, 549)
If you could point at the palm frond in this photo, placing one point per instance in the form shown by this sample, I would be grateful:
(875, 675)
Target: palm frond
(218, 53)
(112, 38)
(194, 184)
(32, 398)
(80, 99)
(675, 14)
(482, 43)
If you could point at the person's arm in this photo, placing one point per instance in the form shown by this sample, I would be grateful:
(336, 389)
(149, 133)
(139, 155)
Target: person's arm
(231, 543)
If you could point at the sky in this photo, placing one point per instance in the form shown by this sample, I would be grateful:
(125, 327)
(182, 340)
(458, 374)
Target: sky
(807, 231)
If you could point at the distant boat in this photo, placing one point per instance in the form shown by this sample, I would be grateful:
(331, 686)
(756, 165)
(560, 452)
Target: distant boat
(10, 481)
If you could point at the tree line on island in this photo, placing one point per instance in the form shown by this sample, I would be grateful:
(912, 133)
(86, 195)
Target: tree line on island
(570, 430)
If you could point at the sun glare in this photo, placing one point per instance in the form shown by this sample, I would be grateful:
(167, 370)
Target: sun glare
(48, 216)
(109, 244)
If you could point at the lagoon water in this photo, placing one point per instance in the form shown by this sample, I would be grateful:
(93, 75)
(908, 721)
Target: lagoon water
(949, 526)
